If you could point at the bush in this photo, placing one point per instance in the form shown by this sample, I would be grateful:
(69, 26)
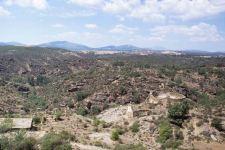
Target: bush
(165, 131)
(81, 111)
(96, 122)
(42, 80)
(173, 144)
(36, 120)
(68, 136)
(35, 102)
(5, 143)
(178, 81)
(134, 74)
(95, 110)
(178, 112)
(136, 97)
(23, 143)
(18, 142)
(81, 95)
(204, 100)
(6, 125)
(129, 147)
(70, 104)
(115, 135)
(53, 141)
(135, 127)
(118, 64)
(57, 115)
(31, 81)
(120, 130)
(216, 123)
(122, 90)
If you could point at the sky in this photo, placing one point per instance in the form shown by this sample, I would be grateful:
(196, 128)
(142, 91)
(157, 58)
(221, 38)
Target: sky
(171, 24)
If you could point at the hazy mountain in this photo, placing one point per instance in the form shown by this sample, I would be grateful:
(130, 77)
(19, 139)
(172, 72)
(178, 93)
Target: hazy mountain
(120, 48)
(75, 46)
(2, 44)
(65, 45)
(11, 44)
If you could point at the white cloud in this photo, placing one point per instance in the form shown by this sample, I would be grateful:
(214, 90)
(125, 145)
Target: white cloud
(37, 4)
(120, 6)
(58, 25)
(91, 26)
(157, 10)
(87, 3)
(122, 29)
(201, 32)
(75, 14)
(4, 12)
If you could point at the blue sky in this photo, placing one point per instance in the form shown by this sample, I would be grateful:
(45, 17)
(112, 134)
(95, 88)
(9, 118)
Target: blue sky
(173, 24)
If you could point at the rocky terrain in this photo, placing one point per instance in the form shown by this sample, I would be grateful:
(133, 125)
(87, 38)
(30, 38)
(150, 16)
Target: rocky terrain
(104, 101)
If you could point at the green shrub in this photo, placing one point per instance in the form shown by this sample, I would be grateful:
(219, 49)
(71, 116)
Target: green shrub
(129, 147)
(36, 120)
(42, 80)
(178, 80)
(134, 74)
(17, 142)
(120, 130)
(57, 114)
(122, 90)
(204, 100)
(96, 122)
(53, 141)
(135, 127)
(81, 95)
(35, 102)
(178, 112)
(67, 136)
(118, 64)
(216, 123)
(173, 144)
(23, 143)
(165, 131)
(5, 143)
(115, 135)
(95, 110)
(136, 97)
(70, 104)
(31, 81)
(6, 125)
(81, 111)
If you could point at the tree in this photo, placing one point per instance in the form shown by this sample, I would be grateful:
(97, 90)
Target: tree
(178, 112)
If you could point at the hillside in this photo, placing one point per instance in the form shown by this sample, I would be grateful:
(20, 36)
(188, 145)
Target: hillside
(114, 101)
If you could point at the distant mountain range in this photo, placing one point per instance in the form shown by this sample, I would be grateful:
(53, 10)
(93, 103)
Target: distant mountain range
(11, 43)
(124, 48)
(65, 45)
(120, 48)
(76, 47)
